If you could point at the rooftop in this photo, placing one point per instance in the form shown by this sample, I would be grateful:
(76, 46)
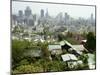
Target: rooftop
(69, 57)
(54, 47)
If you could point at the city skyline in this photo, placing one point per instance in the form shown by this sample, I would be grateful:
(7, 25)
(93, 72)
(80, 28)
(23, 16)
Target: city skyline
(74, 11)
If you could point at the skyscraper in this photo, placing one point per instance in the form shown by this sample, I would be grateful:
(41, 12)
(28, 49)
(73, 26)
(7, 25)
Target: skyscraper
(20, 13)
(91, 18)
(28, 11)
(42, 13)
(66, 18)
(20, 17)
(14, 19)
(28, 20)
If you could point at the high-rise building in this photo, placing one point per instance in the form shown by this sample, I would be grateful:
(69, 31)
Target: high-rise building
(42, 13)
(14, 19)
(28, 11)
(66, 18)
(20, 13)
(91, 18)
(28, 20)
(20, 17)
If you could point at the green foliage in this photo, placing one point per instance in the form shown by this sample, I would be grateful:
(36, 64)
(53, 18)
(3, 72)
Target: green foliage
(28, 69)
(84, 58)
(18, 49)
(43, 65)
(72, 40)
(91, 42)
(56, 57)
(45, 51)
(94, 56)
(69, 37)
(60, 37)
(84, 34)
(81, 67)
(24, 62)
(51, 66)
(56, 66)
(69, 34)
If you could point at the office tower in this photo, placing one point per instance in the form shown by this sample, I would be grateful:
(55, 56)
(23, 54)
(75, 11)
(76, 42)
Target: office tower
(20, 13)
(91, 19)
(42, 13)
(66, 18)
(28, 11)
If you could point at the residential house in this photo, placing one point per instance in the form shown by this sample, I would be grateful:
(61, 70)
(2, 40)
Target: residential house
(55, 49)
(77, 49)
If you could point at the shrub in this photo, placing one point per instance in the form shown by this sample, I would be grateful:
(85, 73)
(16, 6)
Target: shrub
(24, 62)
(18, 49)
(91, 42)
(27, 69)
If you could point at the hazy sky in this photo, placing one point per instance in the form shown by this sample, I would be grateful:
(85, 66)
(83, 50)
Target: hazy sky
(74, 11)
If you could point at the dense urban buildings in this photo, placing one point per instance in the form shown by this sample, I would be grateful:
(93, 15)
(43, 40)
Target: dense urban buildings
(42, 42)
(63, 19)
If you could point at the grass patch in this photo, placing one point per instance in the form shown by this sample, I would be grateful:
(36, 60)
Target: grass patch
(72, 41)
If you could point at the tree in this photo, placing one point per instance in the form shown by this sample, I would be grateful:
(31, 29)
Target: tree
(60, 37)
(69, 34)
(45, 51)
(91, 42)
(84, 34)
(18, 49)
(30, 68)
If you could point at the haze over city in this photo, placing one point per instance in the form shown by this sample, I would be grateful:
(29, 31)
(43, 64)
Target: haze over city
(74, 11)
